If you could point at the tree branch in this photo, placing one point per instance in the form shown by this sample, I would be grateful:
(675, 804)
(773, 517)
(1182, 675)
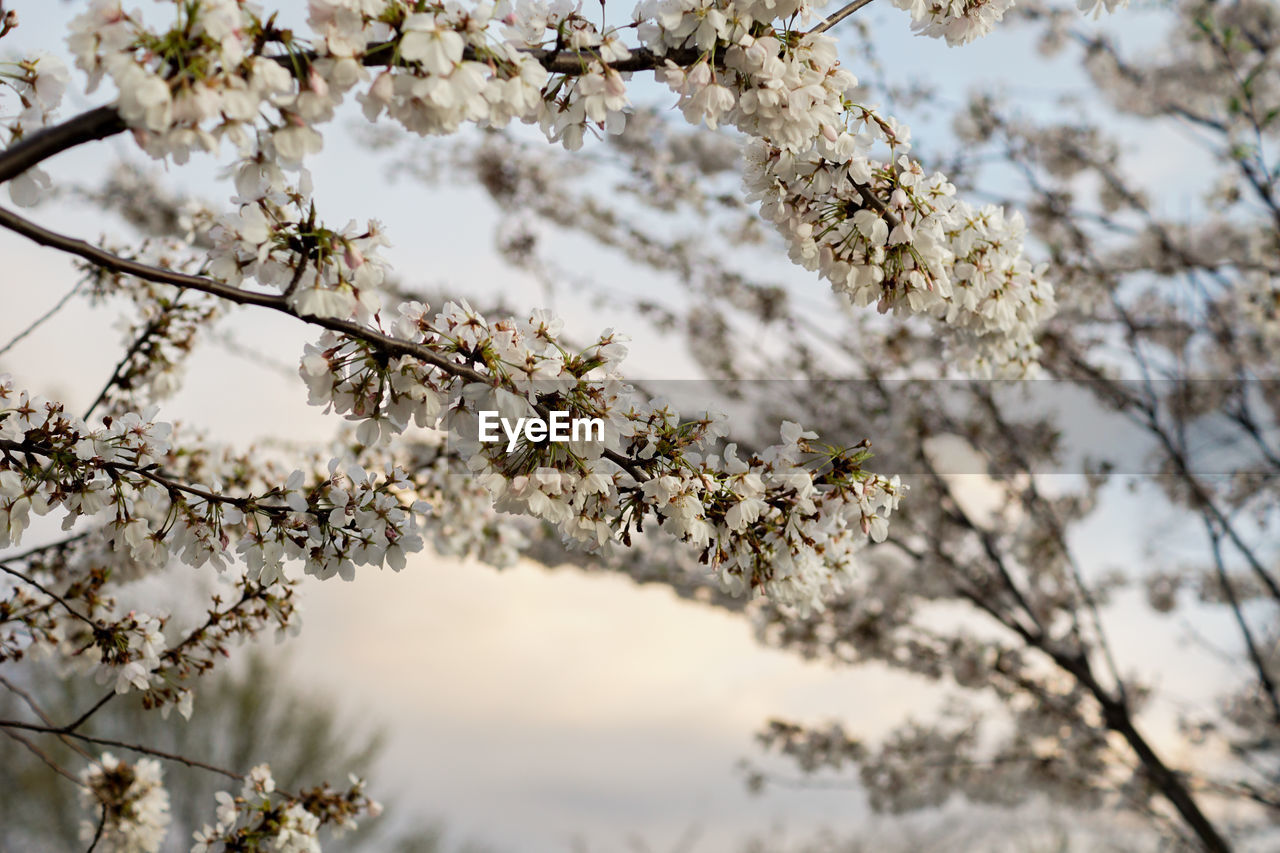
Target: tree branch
(32, 582)
(385, 343)
(119, 744)
(95, 124)
(43, 756)
(1250, 642)
(97, 836)
(838, 16)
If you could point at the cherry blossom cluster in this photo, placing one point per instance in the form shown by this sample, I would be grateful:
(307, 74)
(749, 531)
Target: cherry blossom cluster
(769, 82)
(188, 88)
(333, 522)
(130, 803)
(128, 652)
(263, 819)
(957, 21)
(256, 609)
(459, 520)
(275, 239)
(37, 85)
(67, 616)
(225, 70)
(208, 78)
(881, 231)
(920, 252)
(447, 65)
(125, 652)
(962, 21)
(785, 521)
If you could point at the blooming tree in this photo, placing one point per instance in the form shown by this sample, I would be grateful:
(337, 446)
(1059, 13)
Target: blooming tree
(775, 516)
(1168, 324)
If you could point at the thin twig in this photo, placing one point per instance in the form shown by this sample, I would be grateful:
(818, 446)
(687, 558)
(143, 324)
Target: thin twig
(297, 277)
(137, 344)
(120, 744)
(39, 712)
(29, 580)
(43, 756)
(1250, 642)
(70, 728)
(838, 16)
(39, 321)
(31, 552)
(102, 823)
(168, 481)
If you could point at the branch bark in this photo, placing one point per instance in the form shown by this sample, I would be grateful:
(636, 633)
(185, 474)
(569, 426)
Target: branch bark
(99, 123)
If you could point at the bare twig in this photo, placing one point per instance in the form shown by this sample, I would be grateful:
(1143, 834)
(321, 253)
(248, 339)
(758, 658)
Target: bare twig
(39, 321)
(43, 756)
(25, 578)
(1250, 642)
(69, 728)
(137, 344)
(839, 15)
(119, 744)
(102, 823)
(39, 712)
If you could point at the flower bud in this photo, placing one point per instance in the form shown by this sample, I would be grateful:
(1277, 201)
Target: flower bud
(316, 83)
(353, 256)
(383, 88)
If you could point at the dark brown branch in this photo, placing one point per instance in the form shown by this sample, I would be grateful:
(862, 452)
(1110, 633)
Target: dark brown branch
(89, 126)
(869, 196)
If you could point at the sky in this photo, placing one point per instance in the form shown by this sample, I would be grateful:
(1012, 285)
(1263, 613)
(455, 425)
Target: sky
(535, 710)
